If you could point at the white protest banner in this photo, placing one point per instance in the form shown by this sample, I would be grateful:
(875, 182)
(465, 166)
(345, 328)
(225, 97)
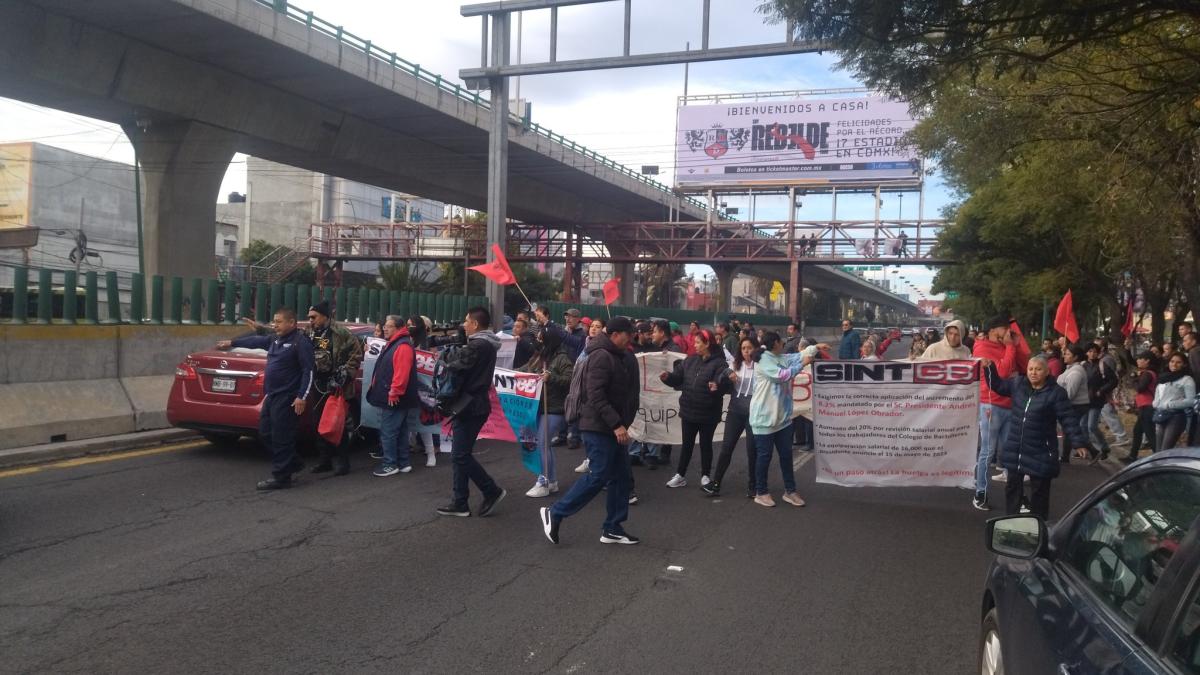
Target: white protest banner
(896, 423)
(368, 415)
(658, 420)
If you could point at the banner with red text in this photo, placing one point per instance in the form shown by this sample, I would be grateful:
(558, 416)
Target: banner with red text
(896, 423)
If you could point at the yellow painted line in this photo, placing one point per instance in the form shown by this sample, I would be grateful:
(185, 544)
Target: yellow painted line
(96, 459)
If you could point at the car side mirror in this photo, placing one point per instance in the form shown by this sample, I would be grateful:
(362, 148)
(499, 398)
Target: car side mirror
(1021, 537)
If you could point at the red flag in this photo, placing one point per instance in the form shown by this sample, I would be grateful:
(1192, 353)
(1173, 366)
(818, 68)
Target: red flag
(1064, 318)
(497, 270)
(612, 290)
(1127, 329)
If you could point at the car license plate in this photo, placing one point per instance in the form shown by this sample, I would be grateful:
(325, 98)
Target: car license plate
(226, 384)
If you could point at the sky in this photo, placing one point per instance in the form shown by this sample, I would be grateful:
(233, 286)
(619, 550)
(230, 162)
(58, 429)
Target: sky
(627, 114)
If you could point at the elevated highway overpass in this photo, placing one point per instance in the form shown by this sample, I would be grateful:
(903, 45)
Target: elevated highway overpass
(194, 81)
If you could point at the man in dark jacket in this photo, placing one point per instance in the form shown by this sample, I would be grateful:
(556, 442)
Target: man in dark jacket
(475, 363)
(525, 342)
(286, 385)
(1101, 383)
(850, 348)
(395, 391)
(609, 403)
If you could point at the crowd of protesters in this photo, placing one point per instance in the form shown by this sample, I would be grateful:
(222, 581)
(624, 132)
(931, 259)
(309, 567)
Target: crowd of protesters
(731, 372)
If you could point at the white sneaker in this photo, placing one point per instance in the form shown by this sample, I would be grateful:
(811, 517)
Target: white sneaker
(538, 490)
(677, 481)
(1001, 477)
(406, 469)
(704, 480)
(583, 468)
(553, 487)
(431, 459)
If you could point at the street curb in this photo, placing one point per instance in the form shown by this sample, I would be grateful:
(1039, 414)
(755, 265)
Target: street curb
(50, 452)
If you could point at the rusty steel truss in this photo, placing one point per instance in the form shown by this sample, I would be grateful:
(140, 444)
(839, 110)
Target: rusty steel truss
(843, 242)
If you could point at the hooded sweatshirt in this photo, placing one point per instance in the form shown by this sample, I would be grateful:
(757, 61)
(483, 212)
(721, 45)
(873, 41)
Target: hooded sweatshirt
(771, 405)
(942, 351)
(1010, 360)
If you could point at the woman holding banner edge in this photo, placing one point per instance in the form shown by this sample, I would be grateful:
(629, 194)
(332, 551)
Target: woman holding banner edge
(737, 419)
(771, 417)
(702, 380)
(1030, 447)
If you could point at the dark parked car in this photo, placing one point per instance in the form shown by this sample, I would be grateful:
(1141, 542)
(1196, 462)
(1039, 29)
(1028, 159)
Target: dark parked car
(1113, 587)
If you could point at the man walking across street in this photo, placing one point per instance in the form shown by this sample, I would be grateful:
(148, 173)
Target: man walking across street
(1108, 412)
(608, 406)
(394, 390)
(287, 382)
(475, 363)
(850, 348)
(336, 356)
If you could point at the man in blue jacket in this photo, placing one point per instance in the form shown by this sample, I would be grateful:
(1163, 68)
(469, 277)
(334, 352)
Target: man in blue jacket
(850, 348)
(287, 383)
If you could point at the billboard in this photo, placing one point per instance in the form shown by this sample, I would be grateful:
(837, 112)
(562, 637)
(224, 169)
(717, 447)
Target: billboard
(795, 142)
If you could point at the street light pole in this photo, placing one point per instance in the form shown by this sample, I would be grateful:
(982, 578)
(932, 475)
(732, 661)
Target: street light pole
(497, 185)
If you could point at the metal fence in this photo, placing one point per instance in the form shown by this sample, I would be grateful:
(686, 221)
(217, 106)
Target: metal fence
(46, 296)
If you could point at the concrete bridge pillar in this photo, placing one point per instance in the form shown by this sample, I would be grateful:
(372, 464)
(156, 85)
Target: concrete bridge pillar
(626, 272)
(725, 275)
(183, 164)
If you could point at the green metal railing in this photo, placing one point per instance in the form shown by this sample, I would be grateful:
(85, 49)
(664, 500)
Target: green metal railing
(345, 37)
(56, 299)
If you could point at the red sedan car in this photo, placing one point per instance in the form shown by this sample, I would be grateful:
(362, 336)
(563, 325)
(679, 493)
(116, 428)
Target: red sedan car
(219, 393)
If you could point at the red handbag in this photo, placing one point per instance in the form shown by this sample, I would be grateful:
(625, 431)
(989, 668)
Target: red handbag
(333, 419)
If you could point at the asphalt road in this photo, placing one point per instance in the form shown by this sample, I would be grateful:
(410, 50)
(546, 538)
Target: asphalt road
(169, 561)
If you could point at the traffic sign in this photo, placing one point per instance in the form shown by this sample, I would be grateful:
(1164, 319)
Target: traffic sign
(951, 295)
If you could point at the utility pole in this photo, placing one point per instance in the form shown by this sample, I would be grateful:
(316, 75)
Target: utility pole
(497, 203)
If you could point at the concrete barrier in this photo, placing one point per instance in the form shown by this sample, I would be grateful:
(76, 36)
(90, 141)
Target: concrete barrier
(65, 383)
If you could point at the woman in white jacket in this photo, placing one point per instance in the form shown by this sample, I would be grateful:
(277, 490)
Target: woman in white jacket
(771, 417)
(1173, 400)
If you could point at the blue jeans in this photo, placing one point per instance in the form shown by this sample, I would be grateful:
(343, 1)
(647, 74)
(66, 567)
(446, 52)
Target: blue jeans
(1111, 420)
(466, 468)
(640, 449)
(1093, 430)
(393, 436)
(781, 442)
(550, 425)
(993, 429)
(608, 464)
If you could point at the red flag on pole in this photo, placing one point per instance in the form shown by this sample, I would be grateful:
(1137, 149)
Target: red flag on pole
(612, 290)
(1127, 329)
(497, 270)
(1064, 318)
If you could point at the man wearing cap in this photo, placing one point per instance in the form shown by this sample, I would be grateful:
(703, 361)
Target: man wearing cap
(1004, 345)
(336, 357)
(610, 402)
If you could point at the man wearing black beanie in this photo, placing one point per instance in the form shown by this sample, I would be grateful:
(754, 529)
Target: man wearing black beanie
(336, 355)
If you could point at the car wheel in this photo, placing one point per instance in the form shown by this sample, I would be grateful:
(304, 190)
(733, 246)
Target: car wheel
(991, 660)
(220, 439)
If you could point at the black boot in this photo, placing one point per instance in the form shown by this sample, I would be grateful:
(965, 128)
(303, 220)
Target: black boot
(324, 466)
(341, 465)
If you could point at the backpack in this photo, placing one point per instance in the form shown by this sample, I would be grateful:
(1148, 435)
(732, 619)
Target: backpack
(446, 383)
(577, 393)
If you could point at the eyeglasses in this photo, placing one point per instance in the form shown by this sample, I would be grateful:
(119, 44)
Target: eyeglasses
(312, 317)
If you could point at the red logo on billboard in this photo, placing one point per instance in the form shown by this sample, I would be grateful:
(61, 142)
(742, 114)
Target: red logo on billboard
(716, 143)
(796, 140)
